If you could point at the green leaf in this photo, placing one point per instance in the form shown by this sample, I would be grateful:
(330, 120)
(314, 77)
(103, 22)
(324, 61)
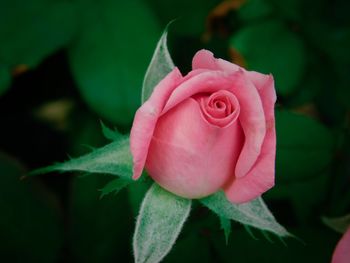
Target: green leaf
(112, 135)
(110, 57)
(32, 30)
(254, 9)
(225, 224)
(30, 223)
(305, 150)
(254, 213)
(192, 14)
(5, 79)
(290, 9)
(161, 64)
(269, 47)
(115, 186)
(114, 158)
(159, 223)
(302, 141)
(339, 224)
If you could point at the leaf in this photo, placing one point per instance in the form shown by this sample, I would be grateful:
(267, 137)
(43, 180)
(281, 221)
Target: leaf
(270, 47)
(114, 158)
(30, 223)
(190, 23)
(111, 54)
(32, 30)
(290, 9)
(302, 141)
(254, 9)
(254, 213)
(225, 224)
(159, 223)
(339, 224)
(112, 135)
(161, 64)
(114, 186)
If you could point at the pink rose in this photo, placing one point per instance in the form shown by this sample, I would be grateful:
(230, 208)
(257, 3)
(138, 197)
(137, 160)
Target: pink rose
(209, 130)
(342, 251)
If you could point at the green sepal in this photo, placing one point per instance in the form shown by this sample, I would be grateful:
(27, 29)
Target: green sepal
(114, 158)
(160, 220)
(254, 213)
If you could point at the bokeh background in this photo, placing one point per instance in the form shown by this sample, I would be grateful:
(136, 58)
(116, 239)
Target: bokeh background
(67, 64)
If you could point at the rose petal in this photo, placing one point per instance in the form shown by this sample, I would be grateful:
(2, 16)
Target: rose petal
(262, 176)
(341, 253)
(252, 114)
(204, 59)
(146, 118)
(207, 81)
(252, 119)
(193, 159)
(223, 116)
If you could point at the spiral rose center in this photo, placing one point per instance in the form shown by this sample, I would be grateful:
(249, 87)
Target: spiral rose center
(220, 108)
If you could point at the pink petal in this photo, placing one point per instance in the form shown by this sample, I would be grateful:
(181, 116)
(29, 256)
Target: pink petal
(207, 81)
(146, 118)
(194, 159)
(252, 119)
(342, 251)
(252, 113)
(262, 176)
(251, 116)
(204, 59)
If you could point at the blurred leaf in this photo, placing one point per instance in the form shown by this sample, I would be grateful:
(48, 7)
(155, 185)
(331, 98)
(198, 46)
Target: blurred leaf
(191, 15)
(32, 30)
(30, 224)
(254, 213)
(269, 47)
(226, 226)
(100, 229)
(110, 57)
(290, 9)
(5, 79)
(114, 186)
(339, 224)
(305, 147)
(161, 64)
(159, 223)
(319, 246)
(254, 9)
(332, 40)
(305, 196)
(114, 158)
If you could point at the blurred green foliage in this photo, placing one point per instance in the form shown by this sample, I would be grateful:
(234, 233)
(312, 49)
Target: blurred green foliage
(65, 64)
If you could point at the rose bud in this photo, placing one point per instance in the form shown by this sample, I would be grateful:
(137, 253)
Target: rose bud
(209, 130)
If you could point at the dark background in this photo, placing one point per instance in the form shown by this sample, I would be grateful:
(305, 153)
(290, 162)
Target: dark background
(67, 64)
